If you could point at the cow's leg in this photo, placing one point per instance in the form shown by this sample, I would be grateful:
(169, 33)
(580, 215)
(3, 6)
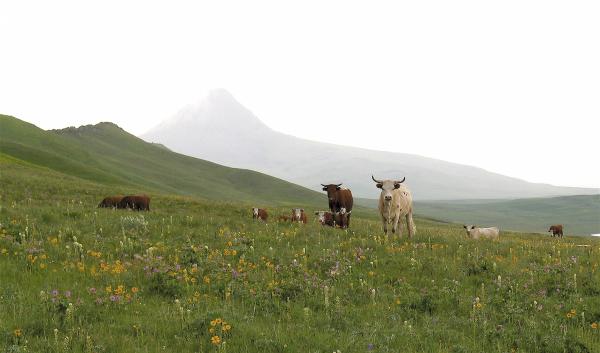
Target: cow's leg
(395, 225)
(410, 224)
(385, 225)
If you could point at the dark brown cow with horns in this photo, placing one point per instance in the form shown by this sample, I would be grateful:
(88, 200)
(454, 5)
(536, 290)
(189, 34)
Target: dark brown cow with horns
(339, 198)
(135, 202)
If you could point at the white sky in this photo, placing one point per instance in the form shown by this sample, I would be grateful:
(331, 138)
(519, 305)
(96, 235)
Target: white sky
(509, 86)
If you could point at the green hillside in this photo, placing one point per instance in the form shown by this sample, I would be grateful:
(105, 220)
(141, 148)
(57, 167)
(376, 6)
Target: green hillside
(580, 215)
(109, 155)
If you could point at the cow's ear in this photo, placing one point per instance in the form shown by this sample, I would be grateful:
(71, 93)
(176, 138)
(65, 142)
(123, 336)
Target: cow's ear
(379, 186)
(472, 227)
(324, 189)
(396, 186)
(301, 210)
(465, 227)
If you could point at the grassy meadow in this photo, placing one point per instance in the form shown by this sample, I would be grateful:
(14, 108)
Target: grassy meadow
(195, 275)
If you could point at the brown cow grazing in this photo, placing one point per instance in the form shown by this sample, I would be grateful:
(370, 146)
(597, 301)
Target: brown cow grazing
(135, 202)
(110, 202)
(339, 198)
(557, 230)
(283, 218)
(259, 213)
(298, 215)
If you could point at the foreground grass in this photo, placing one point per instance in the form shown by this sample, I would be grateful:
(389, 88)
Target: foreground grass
(196, 276)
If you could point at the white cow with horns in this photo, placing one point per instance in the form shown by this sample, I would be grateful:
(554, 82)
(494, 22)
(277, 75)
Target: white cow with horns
(395, 202)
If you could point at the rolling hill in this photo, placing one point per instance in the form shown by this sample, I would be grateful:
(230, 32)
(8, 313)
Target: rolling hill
(220, 129)
(107, 154)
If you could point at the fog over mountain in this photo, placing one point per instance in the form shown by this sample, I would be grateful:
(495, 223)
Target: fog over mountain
(221, 130)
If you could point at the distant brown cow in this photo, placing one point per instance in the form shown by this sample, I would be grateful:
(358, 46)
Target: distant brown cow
(298, 215)
(283, 218)
(135, 202)
(557, 230)
(110, 202)
(259, 213)
(339, 198)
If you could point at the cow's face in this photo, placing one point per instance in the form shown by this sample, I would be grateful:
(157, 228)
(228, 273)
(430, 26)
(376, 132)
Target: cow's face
(255, 212)
(469, 229)
(297, 213)
(387, 186)
(332, 190)
(343, 210)
(321, 216)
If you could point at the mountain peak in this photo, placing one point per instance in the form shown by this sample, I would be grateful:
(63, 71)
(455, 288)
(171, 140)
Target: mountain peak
(219, 116)
(221, 95)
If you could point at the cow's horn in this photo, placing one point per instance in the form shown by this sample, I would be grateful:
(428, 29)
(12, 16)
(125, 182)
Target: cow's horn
(375, 180)
(339, 184)
(400, 182)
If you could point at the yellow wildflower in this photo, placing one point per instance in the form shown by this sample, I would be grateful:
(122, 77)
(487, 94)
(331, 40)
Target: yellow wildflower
(594, 325)
(18, 332)
(216, 340)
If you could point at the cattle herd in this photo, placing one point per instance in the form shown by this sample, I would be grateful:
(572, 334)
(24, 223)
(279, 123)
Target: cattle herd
(395, 203)
(134, 202)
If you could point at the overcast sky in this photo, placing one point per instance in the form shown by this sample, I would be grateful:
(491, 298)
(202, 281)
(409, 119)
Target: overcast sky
(509, 86)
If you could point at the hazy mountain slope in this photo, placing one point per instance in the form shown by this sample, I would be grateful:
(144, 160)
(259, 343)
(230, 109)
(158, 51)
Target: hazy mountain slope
(579, 214)
(221, 130)
(107, 154)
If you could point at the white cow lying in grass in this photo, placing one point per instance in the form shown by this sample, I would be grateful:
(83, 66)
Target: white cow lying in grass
(486, 233)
